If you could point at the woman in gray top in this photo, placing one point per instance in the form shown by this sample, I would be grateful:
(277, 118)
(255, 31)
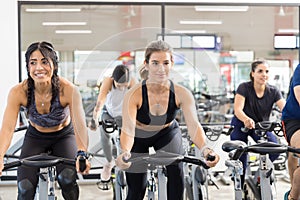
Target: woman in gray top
(110, 102)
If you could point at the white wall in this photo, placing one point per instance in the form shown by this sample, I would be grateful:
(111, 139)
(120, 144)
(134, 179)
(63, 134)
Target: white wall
(9, 50)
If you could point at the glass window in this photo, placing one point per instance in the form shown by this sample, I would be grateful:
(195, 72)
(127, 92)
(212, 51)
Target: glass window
(92, 38)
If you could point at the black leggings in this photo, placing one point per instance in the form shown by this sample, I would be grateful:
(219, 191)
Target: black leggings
(61, 143)
(168, 139)
(290, 127)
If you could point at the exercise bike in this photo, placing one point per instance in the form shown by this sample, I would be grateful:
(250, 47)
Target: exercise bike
(156, 162)
(47, 174)
(261, 185)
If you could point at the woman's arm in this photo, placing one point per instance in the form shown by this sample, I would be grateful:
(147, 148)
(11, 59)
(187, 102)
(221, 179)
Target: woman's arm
(188, 106)
(195, 130)
(9, 120)
(77, 116)
(239, 103)
(104, 90)
(281, 103)
(73, 98)
(130, 105)
(129, 111)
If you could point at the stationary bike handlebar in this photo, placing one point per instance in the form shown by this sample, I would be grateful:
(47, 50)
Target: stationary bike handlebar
(261, 148)
(163, 158)
(109, 125)
(266, 126)
(43, 160)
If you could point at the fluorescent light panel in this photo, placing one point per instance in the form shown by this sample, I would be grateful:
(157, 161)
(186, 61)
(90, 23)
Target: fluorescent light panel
(207, 22)
(189, 31)
(53, 10)
(64, 23)
(288, 30)
(73, 31)
(222, 8)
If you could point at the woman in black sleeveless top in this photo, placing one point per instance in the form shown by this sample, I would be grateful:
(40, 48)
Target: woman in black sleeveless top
(149, 111)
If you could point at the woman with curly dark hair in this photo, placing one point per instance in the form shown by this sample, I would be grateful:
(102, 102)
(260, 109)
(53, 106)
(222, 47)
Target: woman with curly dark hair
(56, 121)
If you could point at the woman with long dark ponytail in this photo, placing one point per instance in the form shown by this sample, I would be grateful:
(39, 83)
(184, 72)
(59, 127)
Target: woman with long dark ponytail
(253, 102)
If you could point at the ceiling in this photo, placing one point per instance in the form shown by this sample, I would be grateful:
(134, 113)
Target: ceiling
(127, 27)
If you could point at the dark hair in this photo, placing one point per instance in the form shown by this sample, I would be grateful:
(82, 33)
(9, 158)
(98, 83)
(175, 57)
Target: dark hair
(48, 52)
(121, 74)
(155, 46)
(254, 65)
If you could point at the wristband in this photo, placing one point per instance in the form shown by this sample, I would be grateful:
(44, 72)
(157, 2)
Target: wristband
(203, 149)
(82, 153)
(123, 151)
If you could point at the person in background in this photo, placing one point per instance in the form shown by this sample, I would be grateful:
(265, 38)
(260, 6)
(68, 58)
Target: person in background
(253, 102)
(291, 123)
(109, 103)
(56, 121)
(149, 111)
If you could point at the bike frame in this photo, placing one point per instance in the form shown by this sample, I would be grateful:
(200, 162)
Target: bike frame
(195, 188)
(120, 189)
(46, 185)
(265, 173)
(236, 169)
(199, 189)
(157, 163)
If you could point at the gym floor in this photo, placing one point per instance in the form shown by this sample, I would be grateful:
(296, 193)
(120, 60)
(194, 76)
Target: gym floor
(90, 191)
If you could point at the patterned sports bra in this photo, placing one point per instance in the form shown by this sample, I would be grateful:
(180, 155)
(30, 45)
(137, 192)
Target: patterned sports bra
(55, 117)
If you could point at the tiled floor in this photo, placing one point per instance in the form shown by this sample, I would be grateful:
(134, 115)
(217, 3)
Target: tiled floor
(90, 191)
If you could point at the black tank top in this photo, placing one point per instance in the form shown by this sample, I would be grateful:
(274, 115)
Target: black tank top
(144, 116)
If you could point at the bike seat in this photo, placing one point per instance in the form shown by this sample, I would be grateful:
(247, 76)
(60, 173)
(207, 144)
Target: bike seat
(232, 145)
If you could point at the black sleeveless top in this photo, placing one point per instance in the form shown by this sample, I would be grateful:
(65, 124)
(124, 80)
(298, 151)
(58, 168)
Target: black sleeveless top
(144, 116)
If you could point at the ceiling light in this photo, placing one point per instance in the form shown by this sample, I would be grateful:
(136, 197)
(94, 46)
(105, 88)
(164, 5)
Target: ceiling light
(281, 11)
(189, 31)
(64, 23)
(53, 9)
(222, 8)
(215, 22)
(288, 30)
(73, 31)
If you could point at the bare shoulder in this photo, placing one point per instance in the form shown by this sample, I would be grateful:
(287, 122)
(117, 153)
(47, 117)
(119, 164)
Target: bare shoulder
(183, 95)
(135, 93)
(181, 90)
(66, 85)
(107, 83)
(19, 92)
(68, 91)
(135, 88)
(20, 88)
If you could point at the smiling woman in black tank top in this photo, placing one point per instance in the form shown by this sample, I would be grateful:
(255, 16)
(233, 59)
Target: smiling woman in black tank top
(149, 111)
